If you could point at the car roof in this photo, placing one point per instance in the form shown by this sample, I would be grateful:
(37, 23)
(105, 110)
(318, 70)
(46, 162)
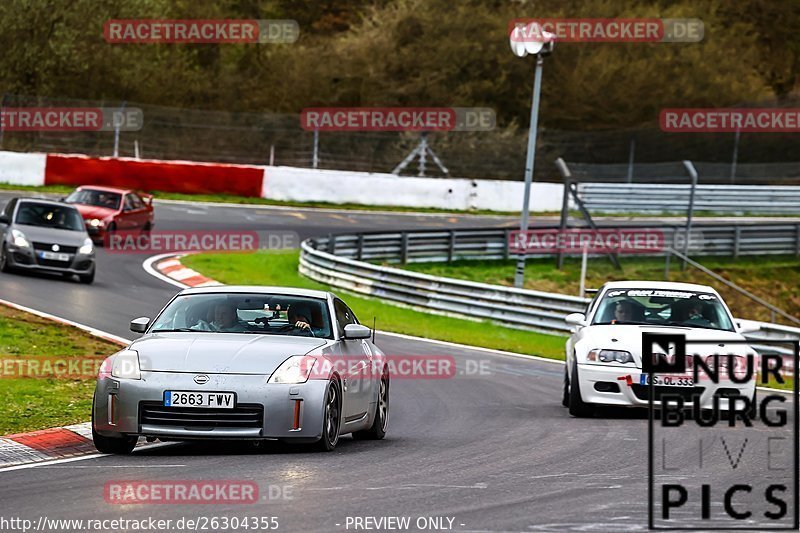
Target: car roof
(663, 285)
(257, 289)
(44, 201)
(103, 188)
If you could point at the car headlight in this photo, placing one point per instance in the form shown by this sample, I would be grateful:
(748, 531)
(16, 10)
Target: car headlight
(126, 365)
(296, 369)
(609, 356)
(19, 239)
(96, 223)
(87, 247)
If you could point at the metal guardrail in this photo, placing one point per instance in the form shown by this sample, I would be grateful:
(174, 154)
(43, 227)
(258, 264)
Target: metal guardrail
(339, 261)
(428, 246)
(507, 305)
(674, 198)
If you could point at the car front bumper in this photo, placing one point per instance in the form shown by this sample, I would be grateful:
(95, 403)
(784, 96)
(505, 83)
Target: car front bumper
(26, 259)
(125, 407)
(635, 394)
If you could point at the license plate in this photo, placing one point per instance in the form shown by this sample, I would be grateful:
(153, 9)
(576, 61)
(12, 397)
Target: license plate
(667, 381)
(53, 256)
(214, 400)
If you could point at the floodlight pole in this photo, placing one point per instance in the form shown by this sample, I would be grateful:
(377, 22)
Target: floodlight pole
(519, 275)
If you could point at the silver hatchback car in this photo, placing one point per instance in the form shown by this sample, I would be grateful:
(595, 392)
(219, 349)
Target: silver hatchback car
(44, 235)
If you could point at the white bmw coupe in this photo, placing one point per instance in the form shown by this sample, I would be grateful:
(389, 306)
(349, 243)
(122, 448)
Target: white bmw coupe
(604, 351)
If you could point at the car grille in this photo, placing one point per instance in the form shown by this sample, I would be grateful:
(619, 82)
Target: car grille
(689, 394)
(242, 416)
(49, 247)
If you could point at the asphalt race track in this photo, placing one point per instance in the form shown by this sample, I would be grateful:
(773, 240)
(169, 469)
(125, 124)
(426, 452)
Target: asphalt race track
(495, 451)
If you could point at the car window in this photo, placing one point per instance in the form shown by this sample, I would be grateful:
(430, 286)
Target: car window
(136, 202)
(96, 198)
(49, 216)
(262, 313)
(9, 209)
(128, 203)
(344, 316)
(663, 307)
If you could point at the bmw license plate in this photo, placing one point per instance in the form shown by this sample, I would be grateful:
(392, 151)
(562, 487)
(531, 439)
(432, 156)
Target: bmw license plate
(667, 380)
(214, 400)
(53, 256)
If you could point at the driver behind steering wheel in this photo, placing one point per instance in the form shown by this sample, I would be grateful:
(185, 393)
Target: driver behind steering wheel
(299, 316)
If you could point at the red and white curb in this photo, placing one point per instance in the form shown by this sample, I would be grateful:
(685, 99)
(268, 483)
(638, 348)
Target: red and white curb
(168, 267)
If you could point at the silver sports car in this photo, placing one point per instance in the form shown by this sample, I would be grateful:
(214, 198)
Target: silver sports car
(261, 363)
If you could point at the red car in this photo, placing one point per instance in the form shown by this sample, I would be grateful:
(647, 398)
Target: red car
(108, 209)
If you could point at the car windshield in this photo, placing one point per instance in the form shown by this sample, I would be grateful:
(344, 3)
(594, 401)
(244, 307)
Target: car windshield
(49, 216)
(96, 198)
(269, 314)
(663, 308)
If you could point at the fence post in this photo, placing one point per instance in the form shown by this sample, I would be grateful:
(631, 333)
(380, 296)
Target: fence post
(315, 154)
(404, 248)
(666, 265)
(693, 175)
(507, 244)
(737, 235)
(566, 175)
(797, 241)
(451, 247)
(360, 249)
(331, 243)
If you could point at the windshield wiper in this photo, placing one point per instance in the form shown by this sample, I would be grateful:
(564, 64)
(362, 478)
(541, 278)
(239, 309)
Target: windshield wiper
(179, 329)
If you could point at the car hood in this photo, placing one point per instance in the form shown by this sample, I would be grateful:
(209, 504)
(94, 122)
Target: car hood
(629, 338)
(219, 353)
(94, 211)
(63, 237)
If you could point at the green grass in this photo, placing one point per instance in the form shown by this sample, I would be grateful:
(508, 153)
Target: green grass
(280, 268)
(29, 403)
(774, 278)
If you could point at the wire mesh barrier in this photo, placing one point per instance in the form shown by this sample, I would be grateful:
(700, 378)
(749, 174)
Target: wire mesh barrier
(269, 138)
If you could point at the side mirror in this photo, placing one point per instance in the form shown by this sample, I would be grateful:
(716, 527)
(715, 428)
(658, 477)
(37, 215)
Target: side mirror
(575, 319)
(747, 326)
(356, 331)
(4, 220)
(139, 325)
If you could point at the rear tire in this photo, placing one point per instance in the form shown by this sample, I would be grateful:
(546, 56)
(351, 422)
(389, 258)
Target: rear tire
(577, 407)
(112, 445)
(565, 395)
(332, 418)
(378, 429)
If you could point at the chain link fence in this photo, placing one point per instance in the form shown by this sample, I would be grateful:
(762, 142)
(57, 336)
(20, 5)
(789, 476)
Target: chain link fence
(269, 138)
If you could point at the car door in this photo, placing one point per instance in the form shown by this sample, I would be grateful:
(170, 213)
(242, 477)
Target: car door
(135, 212)
(357, 377)
(9, 213)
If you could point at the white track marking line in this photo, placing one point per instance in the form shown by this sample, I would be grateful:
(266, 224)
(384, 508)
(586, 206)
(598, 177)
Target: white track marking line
(148, 267)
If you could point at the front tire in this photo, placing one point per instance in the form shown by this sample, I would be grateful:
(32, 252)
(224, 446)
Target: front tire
(331, 419)
(4, 263)
(577, 407)
(565, 395)
(378, 429)
(87, 278)
(112, 445)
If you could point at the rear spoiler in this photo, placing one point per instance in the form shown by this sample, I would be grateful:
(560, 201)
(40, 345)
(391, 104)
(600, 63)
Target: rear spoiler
(591, 291)
(146, 197)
